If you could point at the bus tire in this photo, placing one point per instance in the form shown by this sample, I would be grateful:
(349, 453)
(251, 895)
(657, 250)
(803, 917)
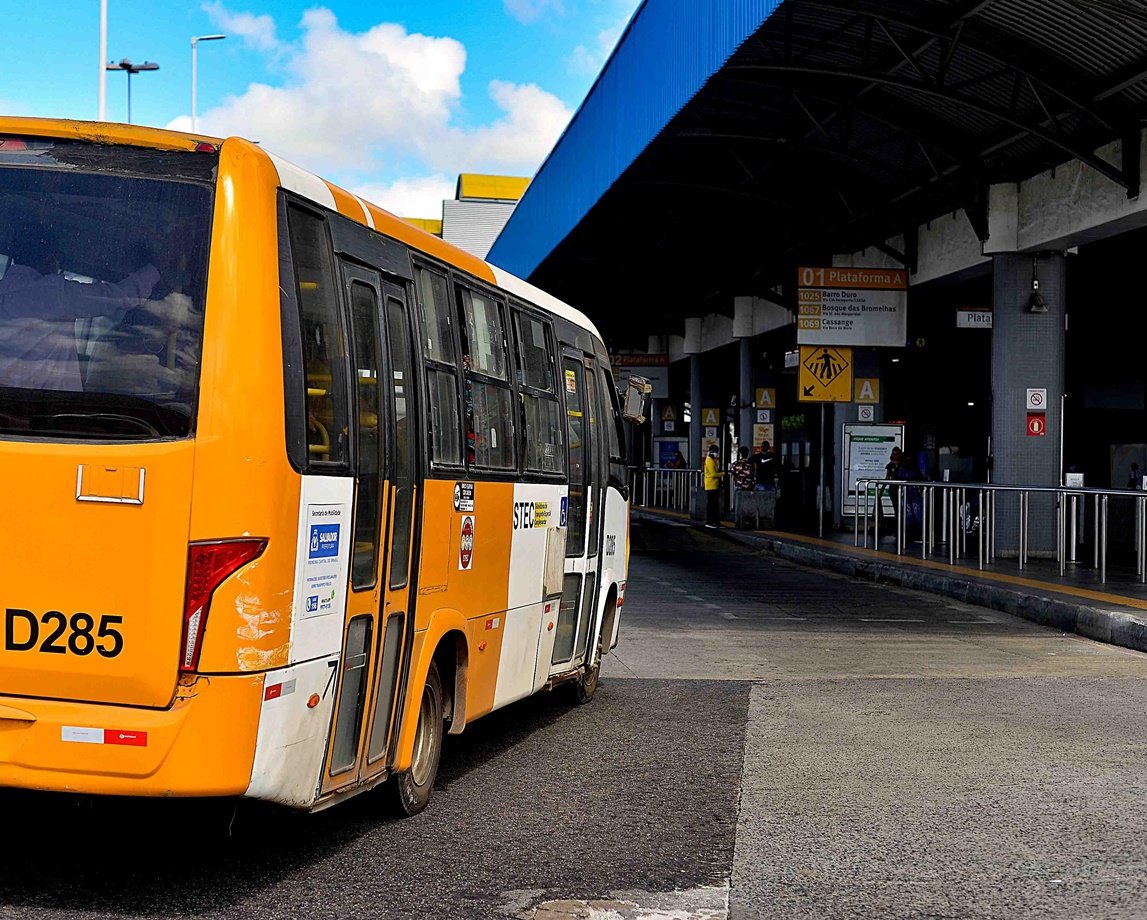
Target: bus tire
(411, 790)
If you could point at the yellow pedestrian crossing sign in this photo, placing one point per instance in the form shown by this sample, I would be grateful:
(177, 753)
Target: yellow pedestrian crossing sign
(825, 374)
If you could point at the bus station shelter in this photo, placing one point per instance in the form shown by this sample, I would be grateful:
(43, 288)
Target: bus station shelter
(989, 152)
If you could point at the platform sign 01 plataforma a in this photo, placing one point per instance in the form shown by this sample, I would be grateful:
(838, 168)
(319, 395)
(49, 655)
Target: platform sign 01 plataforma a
(852, 306)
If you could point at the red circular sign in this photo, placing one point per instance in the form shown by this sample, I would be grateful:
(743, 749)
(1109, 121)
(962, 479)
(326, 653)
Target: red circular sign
(466, 547)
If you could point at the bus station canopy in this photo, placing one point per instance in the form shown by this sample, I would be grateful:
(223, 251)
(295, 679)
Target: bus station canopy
(723, 144)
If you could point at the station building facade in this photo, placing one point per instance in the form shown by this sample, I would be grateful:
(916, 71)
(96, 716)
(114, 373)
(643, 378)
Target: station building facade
(990, 150)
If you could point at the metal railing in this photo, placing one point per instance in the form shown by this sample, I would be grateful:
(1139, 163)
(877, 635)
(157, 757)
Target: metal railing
(959, 519)
(661, 487)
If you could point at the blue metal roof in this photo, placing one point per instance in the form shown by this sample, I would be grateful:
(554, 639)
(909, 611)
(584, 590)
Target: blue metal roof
(668, 52)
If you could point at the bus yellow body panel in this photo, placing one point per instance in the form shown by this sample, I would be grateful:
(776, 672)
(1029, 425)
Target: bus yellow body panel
(203, 744)
(261, 709)
(241, 390)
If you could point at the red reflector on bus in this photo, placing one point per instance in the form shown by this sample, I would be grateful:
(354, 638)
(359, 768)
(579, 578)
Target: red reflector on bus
(80, 735)
(204, 147)
(127, 739)
(208, 566)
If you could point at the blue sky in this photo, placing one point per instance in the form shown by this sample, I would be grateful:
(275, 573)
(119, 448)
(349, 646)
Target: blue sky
(391, 99)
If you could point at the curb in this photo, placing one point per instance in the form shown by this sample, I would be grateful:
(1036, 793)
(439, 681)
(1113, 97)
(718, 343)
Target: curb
(1110, 626)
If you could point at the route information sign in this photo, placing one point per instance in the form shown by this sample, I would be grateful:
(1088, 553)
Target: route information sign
(852, 306)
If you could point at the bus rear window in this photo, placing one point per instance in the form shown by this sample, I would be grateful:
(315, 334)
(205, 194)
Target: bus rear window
(102, 277)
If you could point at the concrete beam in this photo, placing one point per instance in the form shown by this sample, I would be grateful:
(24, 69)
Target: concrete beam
(1073, 204)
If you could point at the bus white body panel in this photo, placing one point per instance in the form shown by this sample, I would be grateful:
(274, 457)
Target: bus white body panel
(292, 738)
(537, 512)
(319, 602)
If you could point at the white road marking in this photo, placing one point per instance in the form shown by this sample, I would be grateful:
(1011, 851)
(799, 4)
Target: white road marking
(697, 904)
(887, 620)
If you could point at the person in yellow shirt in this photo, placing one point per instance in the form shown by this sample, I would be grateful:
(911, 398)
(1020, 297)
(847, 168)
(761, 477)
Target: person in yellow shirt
(713, 476)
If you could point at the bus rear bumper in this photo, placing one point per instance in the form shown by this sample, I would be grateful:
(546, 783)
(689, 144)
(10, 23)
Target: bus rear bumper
(201, 745)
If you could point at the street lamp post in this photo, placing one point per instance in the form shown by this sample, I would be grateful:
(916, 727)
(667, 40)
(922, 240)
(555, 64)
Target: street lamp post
(130, 68)
(103, 109)
(195, 67)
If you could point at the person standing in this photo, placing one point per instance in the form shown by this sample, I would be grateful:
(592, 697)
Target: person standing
(713, 476)
(765, 466)
(743, 476)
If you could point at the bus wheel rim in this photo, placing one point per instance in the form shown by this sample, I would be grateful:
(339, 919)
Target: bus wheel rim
(424, 740)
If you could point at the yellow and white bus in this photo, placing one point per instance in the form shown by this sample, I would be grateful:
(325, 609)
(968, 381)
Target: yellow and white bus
(292, 488)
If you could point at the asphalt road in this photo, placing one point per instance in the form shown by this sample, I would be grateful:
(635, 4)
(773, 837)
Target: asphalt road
(767, 741)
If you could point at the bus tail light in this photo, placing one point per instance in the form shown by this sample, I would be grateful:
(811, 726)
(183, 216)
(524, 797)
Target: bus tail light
(208, 566)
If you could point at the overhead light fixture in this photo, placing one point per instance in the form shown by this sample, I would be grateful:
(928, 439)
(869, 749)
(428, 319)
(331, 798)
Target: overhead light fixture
(895, 360)
(1036, 304)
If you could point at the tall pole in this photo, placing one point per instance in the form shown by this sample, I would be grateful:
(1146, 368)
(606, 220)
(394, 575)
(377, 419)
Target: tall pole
(195, 40)
(820, 492)
(129, 68)
(103, 60)
(194, 78)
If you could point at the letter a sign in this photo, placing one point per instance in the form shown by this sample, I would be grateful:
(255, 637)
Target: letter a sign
(867, 390)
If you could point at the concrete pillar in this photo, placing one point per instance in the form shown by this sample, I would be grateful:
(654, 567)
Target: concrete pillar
(693, 349)
(693, 343)
(743, 310)
(1027, 353)
(695, 426)
(746, 394)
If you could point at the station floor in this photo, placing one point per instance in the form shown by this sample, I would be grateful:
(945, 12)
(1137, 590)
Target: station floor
(1081, 583)
(769, 742)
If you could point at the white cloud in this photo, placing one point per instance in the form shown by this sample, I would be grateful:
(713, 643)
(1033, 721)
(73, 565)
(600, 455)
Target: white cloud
(520, 140)
(258, 31)
(529, 10)
(421, 196)
(588, 60)
(360, 104)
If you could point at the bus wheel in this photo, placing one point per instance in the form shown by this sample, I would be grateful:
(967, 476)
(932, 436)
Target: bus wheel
(412, 788)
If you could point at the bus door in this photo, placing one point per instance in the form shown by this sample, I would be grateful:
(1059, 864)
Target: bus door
(377, 622)
(579, 584)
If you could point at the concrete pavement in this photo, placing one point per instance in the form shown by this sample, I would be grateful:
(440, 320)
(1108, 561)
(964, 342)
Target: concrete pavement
(768, 741)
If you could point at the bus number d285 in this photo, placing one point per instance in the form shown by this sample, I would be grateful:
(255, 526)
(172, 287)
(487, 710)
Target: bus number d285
(56, 634)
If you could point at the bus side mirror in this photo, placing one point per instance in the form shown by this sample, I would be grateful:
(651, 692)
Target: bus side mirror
(633, 402)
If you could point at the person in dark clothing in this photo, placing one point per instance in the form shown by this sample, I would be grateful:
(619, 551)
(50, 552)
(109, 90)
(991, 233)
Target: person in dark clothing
(765, 468)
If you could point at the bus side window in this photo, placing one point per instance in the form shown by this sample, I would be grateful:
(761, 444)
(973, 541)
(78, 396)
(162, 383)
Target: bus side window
(323, 339)
(545, 438)
(614, 434)
(441, 368)
(489, 401)
(368, 383)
